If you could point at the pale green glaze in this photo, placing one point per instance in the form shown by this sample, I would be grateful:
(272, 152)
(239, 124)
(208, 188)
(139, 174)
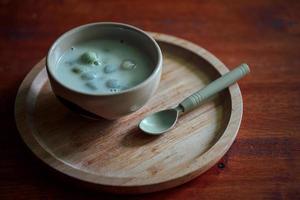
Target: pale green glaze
(159, 122)
(163, 121)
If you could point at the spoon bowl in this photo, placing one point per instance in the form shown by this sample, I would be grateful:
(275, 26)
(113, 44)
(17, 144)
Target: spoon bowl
(159, 122)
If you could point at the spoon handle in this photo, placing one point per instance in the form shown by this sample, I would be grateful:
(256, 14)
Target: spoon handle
(214, 87)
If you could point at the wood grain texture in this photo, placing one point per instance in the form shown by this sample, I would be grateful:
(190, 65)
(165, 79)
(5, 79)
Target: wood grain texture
(264, 161)
(115, 156)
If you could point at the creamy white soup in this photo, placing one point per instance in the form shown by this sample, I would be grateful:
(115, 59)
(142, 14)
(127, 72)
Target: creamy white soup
(103, 66)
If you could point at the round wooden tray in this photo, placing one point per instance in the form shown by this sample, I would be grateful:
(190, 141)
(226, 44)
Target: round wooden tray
(116, 156)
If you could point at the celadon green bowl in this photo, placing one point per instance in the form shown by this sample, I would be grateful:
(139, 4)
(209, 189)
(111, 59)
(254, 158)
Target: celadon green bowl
(113, 105)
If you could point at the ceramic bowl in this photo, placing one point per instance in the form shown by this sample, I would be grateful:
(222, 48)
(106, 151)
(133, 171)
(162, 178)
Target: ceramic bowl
(112, 105)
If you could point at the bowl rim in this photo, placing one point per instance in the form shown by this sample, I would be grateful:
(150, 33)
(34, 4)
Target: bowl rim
(156, 70)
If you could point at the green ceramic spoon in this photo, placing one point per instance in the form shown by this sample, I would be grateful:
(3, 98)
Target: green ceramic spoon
(162, 121)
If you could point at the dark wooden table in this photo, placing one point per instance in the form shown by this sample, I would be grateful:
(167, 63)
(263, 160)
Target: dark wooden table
(264, 161)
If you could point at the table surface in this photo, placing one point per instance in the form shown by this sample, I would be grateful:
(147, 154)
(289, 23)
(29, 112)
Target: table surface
(264, 161)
